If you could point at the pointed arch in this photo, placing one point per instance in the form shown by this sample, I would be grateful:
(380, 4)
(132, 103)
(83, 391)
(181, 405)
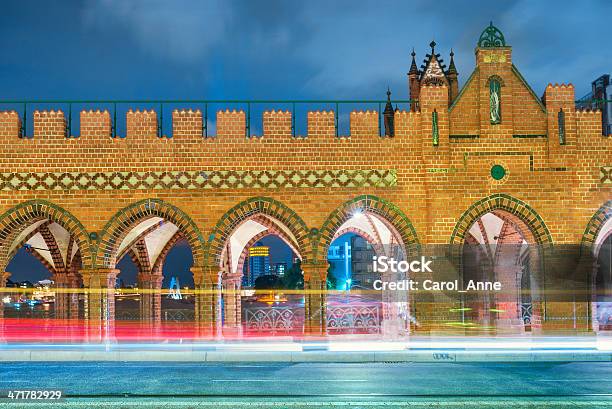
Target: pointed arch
(16, 220)
(594, 227)
(117, 228)
(513, 206)
(389, 213)
(246, 210)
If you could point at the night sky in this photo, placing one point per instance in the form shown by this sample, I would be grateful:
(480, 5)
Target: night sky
(115, 49)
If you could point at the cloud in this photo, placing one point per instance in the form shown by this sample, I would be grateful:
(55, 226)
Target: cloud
(183, 31)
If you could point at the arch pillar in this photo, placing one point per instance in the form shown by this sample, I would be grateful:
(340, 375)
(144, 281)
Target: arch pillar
(207, 298)
(99, 287)
(73, 295)
(315, 298)
(232, 300)
(150, 285)
(61, 282)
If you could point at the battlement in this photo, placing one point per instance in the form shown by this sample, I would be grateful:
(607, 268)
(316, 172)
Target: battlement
(187, 124)
(49, 124)
(562, 95)
(321, 124)
(141, 124)
(95, 124)
(231, 124)
(10, 124)
(364, 123)
(277, 124)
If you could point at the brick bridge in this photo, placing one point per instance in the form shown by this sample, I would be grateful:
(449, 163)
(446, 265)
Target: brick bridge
(483, 165)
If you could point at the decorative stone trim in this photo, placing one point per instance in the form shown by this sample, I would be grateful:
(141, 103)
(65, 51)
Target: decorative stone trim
(217, 179)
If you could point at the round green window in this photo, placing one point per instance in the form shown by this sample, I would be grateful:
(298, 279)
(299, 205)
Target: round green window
(498, 172)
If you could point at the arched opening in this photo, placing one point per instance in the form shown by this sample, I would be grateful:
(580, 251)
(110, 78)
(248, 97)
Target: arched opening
(156, 245)
(41, 247)
(499, 247)
(603, 278)
(260, 272)
(351, 237)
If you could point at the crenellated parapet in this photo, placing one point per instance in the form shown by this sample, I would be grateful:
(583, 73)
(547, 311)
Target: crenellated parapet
(277, 124)
(187, 124)
(231, 124)
(141, 124)
(49, 124)
(364, 123)
(321, 124)
(10, 125)
(95, 124)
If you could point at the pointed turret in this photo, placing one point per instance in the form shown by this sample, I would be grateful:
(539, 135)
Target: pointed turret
(413, 82)
(451, 74)
(389, 116)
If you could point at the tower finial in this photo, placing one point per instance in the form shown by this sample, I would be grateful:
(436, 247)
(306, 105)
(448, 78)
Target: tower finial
(432, 45)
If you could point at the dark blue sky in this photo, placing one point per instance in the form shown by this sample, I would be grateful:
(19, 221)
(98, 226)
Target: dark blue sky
(281, 49)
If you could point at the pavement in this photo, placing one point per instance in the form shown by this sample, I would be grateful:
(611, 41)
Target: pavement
(544, 349)
(307, 385)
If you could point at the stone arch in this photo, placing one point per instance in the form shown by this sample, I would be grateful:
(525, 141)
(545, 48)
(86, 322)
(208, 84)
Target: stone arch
(595, 225)
(518, 209)
(246, 210)
(15, 220)
(389, 213)
(127, 218)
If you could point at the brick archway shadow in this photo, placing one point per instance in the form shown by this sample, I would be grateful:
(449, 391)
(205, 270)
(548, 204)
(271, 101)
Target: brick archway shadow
(515, 208)
(593, 229)
(127, 218)
(388, 213)
(17, 219)
(247, 209)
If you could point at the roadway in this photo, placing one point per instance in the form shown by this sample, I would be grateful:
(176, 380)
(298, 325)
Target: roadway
(553, 385)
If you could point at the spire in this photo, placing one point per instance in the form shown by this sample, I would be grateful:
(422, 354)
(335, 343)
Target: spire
(413, 66)
(451, 66)
(388, 115)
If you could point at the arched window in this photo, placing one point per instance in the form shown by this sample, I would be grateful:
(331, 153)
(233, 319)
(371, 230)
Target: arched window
(495, 84)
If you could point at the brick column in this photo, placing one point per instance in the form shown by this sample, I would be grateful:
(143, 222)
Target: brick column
(207, 293)
(62, 297)
(99, 287)
(73, 296)
(315, 299)
(150, 285)
(232, 303)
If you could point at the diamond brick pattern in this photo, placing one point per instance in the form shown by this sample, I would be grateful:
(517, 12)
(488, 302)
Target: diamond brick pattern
(220, 179)
(605, 174)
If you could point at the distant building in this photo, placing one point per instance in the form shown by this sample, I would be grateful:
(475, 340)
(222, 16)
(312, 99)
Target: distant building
(280, 268)
(362, 269)
(600, 97)
(259, 264)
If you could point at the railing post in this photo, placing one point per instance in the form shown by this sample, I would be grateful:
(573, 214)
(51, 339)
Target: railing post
(293, 119)
(248, 124)
(25, 121)
(160, 127)
(114, 124)
(69, 130)
(336, 115)
(205, 123)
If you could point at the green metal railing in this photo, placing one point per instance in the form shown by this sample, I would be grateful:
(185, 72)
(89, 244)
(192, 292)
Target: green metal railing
(247, 105)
